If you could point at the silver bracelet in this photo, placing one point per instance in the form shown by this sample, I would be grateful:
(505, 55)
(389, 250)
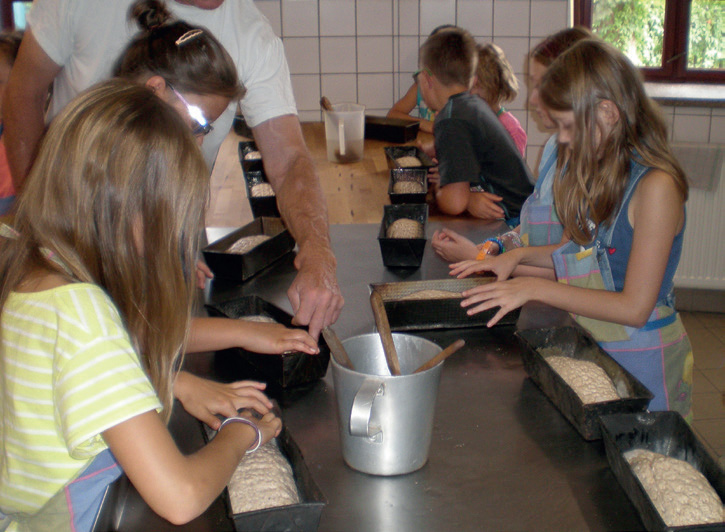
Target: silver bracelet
(244, 420)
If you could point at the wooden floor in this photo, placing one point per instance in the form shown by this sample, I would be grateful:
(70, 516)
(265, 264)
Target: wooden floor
(356, 193)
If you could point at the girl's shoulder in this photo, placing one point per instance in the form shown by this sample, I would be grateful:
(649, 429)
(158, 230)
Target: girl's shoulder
(82, 306)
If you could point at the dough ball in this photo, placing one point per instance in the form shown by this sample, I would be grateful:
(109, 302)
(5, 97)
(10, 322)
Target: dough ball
(408, 187)
(262, 190)
(405, 228)
(245, 244)
(408, 161)
(263, 479)
(588, 380)
(252, 155)
(681, 493)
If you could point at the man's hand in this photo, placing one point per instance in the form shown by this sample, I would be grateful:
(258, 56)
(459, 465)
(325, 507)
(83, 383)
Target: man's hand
(314, 294)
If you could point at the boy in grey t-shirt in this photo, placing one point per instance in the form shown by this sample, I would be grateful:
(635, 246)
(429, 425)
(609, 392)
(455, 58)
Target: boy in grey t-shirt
(475, 152)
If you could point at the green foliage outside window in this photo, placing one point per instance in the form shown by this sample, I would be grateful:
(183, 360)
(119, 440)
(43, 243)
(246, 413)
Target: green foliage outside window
(707, 35)
(637, 28)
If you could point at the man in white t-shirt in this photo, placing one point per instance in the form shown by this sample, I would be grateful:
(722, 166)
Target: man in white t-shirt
(72, 44)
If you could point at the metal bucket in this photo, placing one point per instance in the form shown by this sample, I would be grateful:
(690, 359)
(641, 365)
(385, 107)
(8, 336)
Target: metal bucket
(386, 421)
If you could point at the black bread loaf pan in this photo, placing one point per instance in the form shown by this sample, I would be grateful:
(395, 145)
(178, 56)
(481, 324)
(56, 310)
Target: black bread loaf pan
(660, 432)
(574, 342)
(240, 267)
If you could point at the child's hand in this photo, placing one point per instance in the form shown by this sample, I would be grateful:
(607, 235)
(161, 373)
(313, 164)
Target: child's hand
(434, 177)
(269, 425)
(484, 205)
(202, 274)
(501, 265)
(508, 295)
(204, 398)
(453, 247)
(275, 339)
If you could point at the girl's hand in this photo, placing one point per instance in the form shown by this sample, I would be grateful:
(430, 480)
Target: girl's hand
(453, 247)
(275, 339)
(434, 178)
(501, 265)
(204, 398)
(269, 425)
(508, 295)
(202, 274)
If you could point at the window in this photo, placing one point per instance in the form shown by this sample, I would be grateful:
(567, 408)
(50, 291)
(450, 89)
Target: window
(14, 12)
(671, 40)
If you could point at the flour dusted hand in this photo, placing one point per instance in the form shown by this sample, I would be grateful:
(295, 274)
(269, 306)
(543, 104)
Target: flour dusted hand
(681, 494)
(263, 479)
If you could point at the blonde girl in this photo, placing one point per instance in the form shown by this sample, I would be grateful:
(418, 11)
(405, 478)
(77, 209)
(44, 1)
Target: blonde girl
(496, 84)
(620, 196)
(97, 289)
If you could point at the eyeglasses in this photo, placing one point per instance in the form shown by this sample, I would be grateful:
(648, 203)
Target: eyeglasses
(417, 73)
(200, 125)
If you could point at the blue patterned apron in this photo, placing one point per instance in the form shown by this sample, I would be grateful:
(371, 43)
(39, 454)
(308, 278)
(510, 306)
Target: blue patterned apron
(658, 354)
(74, 508)
(540, 225)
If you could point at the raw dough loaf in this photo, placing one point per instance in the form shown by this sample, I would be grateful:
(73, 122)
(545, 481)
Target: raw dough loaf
(589, 381)
(262, 190)
(681, 494)
(408, 187)
(263, 479)
(405, 228)
(259, 318)
(408, 161)
(244, 244)
(431, 294)
(251, 155)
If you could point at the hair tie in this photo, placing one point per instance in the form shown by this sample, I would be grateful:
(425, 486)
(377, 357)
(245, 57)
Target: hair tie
(188, 36)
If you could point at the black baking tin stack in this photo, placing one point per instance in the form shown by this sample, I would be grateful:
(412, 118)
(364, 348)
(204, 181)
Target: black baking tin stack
(405, 252)
(254, 175)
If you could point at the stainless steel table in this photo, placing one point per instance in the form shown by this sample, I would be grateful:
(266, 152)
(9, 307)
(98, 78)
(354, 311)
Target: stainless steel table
(501, 458)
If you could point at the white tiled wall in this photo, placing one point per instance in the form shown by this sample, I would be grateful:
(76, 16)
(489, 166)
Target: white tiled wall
(366, 50)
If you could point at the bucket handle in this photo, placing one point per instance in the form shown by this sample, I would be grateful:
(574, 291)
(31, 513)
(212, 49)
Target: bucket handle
(362, 407)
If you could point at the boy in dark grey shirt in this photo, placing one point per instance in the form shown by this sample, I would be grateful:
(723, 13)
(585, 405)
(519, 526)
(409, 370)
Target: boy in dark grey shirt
(475, 152)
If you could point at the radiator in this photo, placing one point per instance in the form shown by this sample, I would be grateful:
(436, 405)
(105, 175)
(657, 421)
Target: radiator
(703, 252)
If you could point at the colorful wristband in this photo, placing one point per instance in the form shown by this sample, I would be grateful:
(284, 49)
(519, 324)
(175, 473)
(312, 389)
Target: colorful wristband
(486, 247)
(257, 442)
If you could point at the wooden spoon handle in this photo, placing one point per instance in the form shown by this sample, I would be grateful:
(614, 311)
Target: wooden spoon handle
(325, 103)
(448, 351)
(383, 325)
(336, 348)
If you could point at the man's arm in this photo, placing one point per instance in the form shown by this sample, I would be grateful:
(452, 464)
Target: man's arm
(24, 106)
(314, 294)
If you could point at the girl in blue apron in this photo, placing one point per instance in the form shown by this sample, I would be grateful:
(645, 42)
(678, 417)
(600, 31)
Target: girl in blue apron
(620, 195)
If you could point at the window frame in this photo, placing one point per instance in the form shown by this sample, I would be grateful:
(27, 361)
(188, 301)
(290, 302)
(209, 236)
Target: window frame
(674, 45)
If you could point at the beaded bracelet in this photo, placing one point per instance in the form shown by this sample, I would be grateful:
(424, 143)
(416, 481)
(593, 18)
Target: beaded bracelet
(486, 247)
(257, 442)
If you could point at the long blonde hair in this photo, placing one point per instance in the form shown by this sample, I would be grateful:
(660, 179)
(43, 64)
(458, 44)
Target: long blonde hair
(118, 170)
(596, 171)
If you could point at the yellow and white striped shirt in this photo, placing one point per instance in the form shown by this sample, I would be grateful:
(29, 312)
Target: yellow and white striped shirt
(68, 372)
